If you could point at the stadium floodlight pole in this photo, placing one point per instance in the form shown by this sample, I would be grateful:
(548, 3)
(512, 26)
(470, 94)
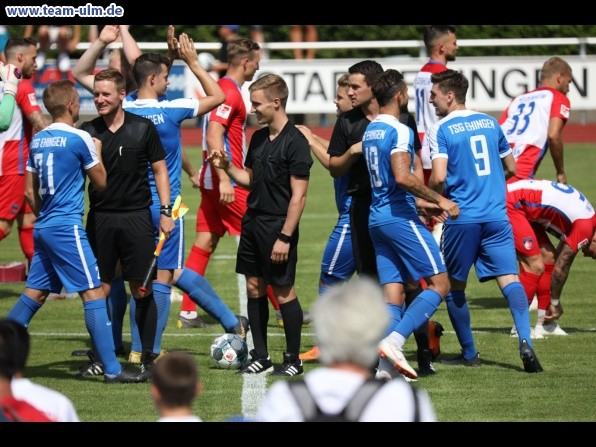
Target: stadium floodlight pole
(178, 210)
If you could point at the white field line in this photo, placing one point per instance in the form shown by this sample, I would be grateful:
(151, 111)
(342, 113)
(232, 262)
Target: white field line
(254, 385)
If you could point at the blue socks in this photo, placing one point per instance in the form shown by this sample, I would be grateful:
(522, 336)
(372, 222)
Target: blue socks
(421, 310)
(161, 292)
(201, 292)
(117, 301)
(23, 310)
(395, 315)
(518, 305)
(459, 314)
(98, 326)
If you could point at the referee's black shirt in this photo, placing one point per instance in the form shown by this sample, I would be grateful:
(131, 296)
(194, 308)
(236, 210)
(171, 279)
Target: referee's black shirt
(272, 164)
(126, 155)
(349, 129)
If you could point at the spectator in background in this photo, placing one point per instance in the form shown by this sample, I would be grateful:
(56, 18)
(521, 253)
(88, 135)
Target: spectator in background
(227, 34)
(55, 405)
(304, 33)
(174, 387)
(257, 35)
(11, 408)
(66, 38)
(350, 320)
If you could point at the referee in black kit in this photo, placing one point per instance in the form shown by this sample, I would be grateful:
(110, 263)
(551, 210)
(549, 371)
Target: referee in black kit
(119, 223)
(277, 169)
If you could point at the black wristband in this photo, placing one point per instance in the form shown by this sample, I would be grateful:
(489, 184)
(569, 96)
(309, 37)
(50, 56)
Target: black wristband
(284, 237)
(166, 210)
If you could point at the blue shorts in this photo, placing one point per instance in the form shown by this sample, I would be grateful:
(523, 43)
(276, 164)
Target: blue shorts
(488, 246)
(338, 259)
(405, 251)
(172, 252)
(63, 257)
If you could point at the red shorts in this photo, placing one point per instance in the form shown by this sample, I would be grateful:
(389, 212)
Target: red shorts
(213, 217)
(528, 237)
(12, 197)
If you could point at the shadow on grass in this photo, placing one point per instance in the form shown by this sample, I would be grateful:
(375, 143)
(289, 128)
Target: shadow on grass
(484, 362)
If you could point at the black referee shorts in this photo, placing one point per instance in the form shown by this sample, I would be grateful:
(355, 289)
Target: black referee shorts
(126, 236)
(258, 236)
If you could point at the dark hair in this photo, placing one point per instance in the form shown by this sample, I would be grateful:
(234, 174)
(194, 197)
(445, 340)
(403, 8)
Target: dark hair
(371, 70)
(452, 81)
(15, 42)
(176, 377)
(387, 85)
(14, 348)
(148, 64)
(433, 32)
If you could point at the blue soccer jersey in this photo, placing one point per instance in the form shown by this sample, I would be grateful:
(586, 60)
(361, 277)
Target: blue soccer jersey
(167, 117)
(384, 136)
(474, 144)
(59, 155)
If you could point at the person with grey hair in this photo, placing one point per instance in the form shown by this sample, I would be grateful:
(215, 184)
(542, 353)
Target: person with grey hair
(350, 319)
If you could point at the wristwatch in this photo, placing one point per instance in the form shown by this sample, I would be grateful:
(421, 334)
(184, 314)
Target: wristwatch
(284, 237)
(555, 302)
(166, 210)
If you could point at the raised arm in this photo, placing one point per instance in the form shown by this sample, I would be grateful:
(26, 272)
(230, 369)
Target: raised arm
(83, 70)
(215, 95)
(129, 45)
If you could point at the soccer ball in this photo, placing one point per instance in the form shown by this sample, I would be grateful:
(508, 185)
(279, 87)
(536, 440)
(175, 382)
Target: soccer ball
(229, 351)
(206, 60)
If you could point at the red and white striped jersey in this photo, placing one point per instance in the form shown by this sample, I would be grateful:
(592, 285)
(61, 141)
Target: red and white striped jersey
(425, 112)
(561, 209)
(525, 124)
(232, 115)
(14, 142)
